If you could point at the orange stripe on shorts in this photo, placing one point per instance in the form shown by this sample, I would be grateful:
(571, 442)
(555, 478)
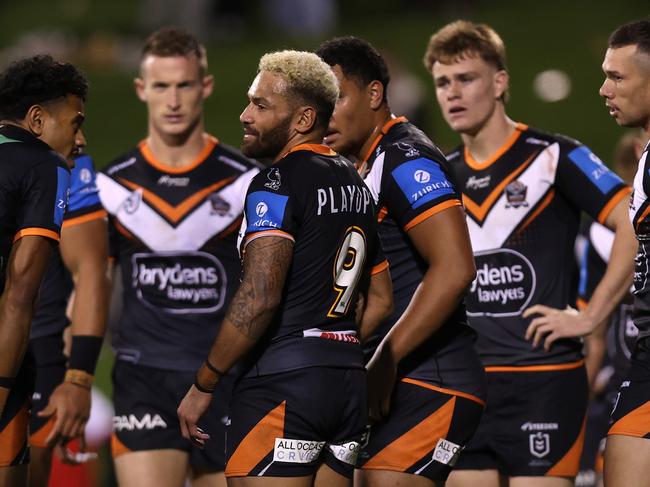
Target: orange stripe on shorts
(37, 438)
(13, 436)
(636, 423)
(412, 446)
(258, 443)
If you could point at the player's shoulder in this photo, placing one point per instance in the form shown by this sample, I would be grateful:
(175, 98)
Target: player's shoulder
(123, 163)
(232, 157)
(536, 137)
(404, 141)
(84, 167)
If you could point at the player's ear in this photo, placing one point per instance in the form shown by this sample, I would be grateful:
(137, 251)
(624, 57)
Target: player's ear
(138, 83)
(35, 119)
(376, 93)
(208, 85)
(501, 83)
(305, 119)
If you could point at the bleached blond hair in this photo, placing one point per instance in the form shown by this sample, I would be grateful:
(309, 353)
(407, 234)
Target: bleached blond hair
(309, 80)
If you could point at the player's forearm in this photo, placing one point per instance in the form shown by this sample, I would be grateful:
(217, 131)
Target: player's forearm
(595, 352)
(266, 264)
(378, 304)
(442, 289)
(246, 321)
(15, 318)
(617, 280)
(90, 307)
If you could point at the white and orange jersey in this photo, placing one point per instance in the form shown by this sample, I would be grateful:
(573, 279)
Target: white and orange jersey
(523, 209)
(173, 232)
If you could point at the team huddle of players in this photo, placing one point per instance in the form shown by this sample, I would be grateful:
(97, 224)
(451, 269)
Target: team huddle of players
(337, 303)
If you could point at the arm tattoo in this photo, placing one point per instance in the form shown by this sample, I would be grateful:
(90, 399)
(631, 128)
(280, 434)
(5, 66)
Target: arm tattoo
(266, 265)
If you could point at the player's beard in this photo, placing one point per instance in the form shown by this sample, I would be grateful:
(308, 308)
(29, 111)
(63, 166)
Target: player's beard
(270, 143)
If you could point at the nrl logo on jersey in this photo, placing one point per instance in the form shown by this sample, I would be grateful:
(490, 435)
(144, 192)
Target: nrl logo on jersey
(409, 150)
(478, 183)
(516, 194)
(274, 179)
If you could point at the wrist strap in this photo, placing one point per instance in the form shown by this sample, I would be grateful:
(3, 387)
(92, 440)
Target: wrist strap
(79, 377)
(201, 388)
(84, 352)
(212, 368)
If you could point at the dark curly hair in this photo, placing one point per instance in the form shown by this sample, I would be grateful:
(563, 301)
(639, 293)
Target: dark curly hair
(357, 58)
(37, 80)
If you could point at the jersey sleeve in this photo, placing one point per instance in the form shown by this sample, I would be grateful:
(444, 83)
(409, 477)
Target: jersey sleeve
(378, 261)
(84, 204)
(592, 267)
(415, 189)
(269, 207)
(44, 194)
(585, 181)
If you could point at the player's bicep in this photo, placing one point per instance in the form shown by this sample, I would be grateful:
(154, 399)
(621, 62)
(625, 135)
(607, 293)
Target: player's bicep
(443, 239)
(25, 268)
(85, 244)
(266, 264)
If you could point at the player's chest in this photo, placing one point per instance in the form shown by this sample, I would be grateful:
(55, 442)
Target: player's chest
(509, 188)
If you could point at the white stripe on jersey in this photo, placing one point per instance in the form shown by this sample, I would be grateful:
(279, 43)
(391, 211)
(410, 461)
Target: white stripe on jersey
(373, 178)
(199, 226)
(501, 220)
(638, 196)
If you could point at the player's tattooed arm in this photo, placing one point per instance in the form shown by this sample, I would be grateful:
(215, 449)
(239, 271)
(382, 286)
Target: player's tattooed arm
(266, 263)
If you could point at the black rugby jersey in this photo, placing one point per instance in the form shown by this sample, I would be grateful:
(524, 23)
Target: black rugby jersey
(84, 205)
(314, 197)
(594, 246)
(410, 181)
(523, 212)
(34, 185)
(640, 217)
(173, 232)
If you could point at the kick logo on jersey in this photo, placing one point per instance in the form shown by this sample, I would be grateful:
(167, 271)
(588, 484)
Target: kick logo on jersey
(265, 211)
(516, 194)
(421, 180)
(504, 285)
(179, 282)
